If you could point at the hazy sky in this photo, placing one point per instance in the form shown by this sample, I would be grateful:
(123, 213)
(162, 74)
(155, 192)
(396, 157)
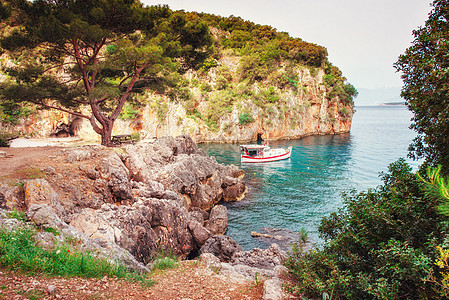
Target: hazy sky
(363, 38)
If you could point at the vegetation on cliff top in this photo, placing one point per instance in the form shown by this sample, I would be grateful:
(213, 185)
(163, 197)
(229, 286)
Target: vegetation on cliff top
(107, 54)
(391, 242)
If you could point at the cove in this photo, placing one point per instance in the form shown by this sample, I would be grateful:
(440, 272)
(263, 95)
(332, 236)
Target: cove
(296, 193)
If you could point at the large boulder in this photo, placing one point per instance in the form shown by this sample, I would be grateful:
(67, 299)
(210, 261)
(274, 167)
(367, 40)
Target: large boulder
(144, 228)
(221, 246)
(218, 220)
(44, 216)
(182, 168)
(39, 191)
(266, 259)
(9, 199)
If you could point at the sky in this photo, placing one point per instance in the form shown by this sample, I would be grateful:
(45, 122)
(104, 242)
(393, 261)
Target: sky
(363, 38)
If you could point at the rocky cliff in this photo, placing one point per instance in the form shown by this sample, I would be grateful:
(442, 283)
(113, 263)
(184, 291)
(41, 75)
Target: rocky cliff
(159, 195)
(218, 107)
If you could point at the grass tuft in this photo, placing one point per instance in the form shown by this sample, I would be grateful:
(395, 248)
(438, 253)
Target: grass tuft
(164, 263)
(18, 252)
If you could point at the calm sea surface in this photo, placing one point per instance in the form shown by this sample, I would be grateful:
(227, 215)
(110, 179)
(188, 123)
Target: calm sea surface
(296, 193)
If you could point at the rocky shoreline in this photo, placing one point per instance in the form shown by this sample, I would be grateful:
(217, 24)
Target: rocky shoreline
(130, 203)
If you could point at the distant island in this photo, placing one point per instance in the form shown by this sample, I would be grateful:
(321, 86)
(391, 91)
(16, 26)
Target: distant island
(392, 103)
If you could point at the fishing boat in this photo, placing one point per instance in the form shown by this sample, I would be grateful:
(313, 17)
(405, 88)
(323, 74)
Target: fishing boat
(263, 153)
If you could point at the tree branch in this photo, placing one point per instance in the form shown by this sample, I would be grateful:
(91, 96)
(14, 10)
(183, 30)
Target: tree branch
(126, 94)
(74, 113)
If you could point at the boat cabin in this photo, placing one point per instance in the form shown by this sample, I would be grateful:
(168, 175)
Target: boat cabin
(253, 150)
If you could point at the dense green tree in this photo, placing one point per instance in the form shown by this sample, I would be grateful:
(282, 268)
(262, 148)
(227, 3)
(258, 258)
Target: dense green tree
(77, 53)
(425, 73)
(381, 245)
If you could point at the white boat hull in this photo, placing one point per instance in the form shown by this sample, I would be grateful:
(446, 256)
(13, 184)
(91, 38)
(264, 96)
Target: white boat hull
(268, 158)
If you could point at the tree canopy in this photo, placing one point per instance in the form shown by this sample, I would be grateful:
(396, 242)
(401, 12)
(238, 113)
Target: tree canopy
(425, 73)
(74, 53)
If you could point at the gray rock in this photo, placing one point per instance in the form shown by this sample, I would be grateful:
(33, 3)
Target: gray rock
(250, 272)
(117, 175)
(222, 246)
(144, 227)
(2, 154)
(51, 289)
(183, 169)
(45, 240)
(44, 215)
(199, 233)
(211, 261)
(9, 199)
(272, 289)
(50, 171)
(199, 214)
(260, 258)
(280, 271)
(78, 154)
(90, 172)
(39, 191)
(218, 220)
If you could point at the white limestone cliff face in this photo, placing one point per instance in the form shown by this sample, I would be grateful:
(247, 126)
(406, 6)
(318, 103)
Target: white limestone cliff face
(306, 110)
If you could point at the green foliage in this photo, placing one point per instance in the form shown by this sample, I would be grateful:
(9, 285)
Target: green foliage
(424, 68)
(218, 105)
(266, 97)
(129, 112)
(245, 118)
(443, 264)
(11, 112)
(18, 215)
(440, 186)
(209, 63)
(334, 80)
(382, 244)
(161, 108)
(238, 39)
(19, 252)
(253, 68)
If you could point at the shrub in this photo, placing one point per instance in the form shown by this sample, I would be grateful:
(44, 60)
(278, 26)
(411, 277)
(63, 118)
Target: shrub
(253, 68)
(218, 105)
(245, 118)
(380, 245)
(129, 112)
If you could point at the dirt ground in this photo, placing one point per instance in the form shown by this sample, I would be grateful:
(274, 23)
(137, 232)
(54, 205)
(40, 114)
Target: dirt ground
(26, 157)
(188, 281)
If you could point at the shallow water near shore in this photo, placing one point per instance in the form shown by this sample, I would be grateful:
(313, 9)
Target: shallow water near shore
(296, 193)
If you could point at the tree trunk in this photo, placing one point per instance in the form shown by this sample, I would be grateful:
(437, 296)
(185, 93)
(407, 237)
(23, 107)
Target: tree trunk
(106, 133)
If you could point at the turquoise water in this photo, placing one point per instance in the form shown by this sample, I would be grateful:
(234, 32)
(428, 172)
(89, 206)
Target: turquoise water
(296, 193)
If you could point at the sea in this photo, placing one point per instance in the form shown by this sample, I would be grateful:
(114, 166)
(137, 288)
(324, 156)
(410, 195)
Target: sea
(287, 196)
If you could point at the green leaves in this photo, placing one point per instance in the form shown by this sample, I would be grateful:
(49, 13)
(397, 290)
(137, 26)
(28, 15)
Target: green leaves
(437, 183)
(424, 67)
(381, 245)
